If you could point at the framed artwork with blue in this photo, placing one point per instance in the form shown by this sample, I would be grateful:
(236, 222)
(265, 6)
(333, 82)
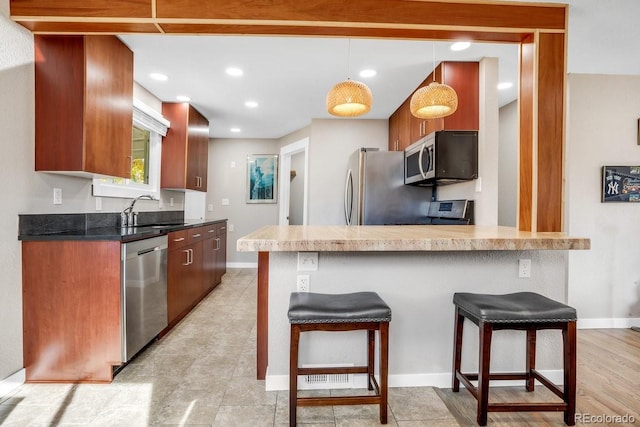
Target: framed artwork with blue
(262, 178)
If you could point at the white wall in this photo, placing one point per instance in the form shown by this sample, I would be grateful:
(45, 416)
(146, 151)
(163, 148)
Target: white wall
(419, 289)
(602, 123)
(332, 142)
(508, 166)
(16, 162)
(227, 179)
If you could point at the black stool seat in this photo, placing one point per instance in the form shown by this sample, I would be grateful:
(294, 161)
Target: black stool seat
(359, 311)
(526, 311)
(512, 308)
(307, 307)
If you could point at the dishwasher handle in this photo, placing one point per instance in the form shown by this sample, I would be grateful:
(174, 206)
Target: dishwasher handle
(146, 251)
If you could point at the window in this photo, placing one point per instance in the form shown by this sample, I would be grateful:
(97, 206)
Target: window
(148, 129)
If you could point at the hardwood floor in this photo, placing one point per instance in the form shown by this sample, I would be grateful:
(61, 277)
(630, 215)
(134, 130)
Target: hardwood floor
(608, 386)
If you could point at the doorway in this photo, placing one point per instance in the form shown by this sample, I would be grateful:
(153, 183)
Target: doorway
(294, 183)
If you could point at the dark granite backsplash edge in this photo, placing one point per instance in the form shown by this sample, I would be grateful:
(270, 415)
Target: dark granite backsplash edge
(37, 224)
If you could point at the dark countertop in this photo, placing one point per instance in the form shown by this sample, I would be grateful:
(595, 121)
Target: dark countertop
(123, 234)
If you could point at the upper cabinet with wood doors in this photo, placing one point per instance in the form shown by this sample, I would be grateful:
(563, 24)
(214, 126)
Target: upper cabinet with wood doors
(84, 105)
(185, 148)
(464, 78)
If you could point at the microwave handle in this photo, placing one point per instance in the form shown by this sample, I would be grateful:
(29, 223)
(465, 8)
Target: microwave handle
(348, 197)
(422, 172)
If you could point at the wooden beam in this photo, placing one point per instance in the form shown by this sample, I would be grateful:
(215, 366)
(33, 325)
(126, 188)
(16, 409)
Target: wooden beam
(527, 108)
(262, 321)
(551, 97)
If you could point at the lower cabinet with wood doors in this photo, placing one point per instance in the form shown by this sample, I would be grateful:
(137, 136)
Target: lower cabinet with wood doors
(195, 266)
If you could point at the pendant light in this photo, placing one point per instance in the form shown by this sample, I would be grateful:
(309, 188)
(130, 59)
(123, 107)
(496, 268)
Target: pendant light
(349, 98)
(434, 100)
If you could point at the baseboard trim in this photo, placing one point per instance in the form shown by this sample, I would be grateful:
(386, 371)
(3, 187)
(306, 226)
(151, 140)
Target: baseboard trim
(440, 380)
(608, 323)
(11, 383)
(242, 265)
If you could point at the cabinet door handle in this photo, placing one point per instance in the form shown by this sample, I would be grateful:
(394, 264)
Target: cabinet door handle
(186, 251)
(179, 239)
(196, 235)
(217, 244)
(190, 256)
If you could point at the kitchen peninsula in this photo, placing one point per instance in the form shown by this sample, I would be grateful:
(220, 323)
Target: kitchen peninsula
(416, 270)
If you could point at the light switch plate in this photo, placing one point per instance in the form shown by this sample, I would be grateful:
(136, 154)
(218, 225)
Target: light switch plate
(307, 261)
(57, 196)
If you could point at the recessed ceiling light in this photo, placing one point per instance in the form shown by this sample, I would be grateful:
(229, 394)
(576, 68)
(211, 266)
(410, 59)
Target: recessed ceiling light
(504, 85)
(234, 71)
(159, 76)
(368, 73)
(251, 104)
(235, 130)
(183, 98)
(460, 46)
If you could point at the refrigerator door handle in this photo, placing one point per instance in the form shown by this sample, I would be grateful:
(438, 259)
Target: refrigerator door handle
(348, 197)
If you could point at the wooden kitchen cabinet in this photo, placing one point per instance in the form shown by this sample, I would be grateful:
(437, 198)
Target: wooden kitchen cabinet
(71, 310)
(215, 255)
(221, 264)
(399, 128)
(196, 264)
(83, 105)
(184, 273)
(463, 77)
(185, 148)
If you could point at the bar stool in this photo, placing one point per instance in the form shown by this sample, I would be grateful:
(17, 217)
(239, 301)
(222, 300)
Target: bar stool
(340, 312)
(522, 311)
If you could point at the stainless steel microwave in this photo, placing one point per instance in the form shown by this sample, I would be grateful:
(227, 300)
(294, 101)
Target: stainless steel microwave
(442, 157)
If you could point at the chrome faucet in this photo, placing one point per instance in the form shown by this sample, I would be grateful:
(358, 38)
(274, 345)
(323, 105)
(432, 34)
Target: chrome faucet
(128, 218)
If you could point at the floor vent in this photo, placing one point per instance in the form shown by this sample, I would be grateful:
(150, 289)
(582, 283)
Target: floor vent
(329, 379)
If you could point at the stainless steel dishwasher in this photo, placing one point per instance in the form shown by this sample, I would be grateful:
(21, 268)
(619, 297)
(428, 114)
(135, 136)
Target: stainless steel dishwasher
(144, 293)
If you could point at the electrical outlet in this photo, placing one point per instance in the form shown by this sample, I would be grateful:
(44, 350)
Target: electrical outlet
(302, 283)
(524, 268)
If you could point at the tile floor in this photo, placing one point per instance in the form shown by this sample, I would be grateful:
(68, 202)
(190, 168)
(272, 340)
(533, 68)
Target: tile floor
(203, 374)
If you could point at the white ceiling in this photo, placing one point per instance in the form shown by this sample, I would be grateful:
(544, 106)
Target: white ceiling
(289, 76)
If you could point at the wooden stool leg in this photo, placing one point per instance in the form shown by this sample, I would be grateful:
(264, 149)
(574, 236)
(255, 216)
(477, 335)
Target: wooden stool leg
(531, 359)
(457, 350)
(293, 375)
(384, 370)
(371, 349)
(569, 345)
(486, 330)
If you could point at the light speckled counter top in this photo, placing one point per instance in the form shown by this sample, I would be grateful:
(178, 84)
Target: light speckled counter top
(403, 238)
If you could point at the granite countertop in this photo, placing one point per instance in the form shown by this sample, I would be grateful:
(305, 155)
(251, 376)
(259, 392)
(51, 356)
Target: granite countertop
(103, 227)
(404, 238)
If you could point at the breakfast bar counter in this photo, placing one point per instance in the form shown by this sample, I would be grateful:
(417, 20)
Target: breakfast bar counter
(403, 238)
(416, 269)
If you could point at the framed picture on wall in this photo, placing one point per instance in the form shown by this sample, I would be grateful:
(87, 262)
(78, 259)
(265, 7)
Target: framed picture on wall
(262, 178)
(621, 184)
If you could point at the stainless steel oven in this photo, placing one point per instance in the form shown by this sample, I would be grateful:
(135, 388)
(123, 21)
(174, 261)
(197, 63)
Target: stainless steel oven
(144, 293)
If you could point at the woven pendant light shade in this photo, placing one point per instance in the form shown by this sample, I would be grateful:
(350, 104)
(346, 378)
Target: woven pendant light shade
(349, 98)
(434, 101)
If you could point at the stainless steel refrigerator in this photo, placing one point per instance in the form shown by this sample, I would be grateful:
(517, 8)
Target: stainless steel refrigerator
(375, 192)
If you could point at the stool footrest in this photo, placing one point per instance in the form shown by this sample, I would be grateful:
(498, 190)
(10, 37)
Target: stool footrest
(338, 400)
(526, 407)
